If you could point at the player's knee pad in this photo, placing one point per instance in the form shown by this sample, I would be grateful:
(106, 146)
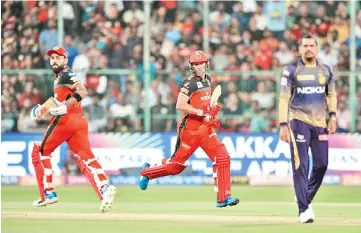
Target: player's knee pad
(222, 156)
(168, 168)
(35, 154)
(174, 168)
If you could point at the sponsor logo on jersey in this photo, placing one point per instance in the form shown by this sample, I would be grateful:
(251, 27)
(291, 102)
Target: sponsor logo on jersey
(212, 134)
(199, 85)
(311, 90)
(284, 81)
(321, 78)
(185, 146)
(206, 97)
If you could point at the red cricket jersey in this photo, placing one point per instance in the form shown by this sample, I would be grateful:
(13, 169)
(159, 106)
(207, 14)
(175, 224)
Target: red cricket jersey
(63, 90)
(199, 93)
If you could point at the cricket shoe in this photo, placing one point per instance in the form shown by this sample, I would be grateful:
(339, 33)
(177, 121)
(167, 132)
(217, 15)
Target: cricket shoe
(143, 182)
(108, 192)
(230, 201)
(50, 198)
(307, 216)
(310, 209)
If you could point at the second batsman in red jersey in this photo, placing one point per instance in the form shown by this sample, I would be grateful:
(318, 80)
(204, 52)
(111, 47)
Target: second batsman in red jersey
(67, 125)
(196, 129)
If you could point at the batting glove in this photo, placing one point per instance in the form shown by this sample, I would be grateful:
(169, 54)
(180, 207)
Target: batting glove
(35, 112)
(61, 109)
(212, 111)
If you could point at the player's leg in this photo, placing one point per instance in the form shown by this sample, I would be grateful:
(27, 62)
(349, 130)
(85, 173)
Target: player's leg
(218, 154)
(91, 168)
(319, 148)
(300, 139)
(41, 159)
(187, 143)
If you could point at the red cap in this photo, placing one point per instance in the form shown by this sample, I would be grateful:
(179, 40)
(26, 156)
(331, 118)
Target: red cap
(58, 50)
(198, 57)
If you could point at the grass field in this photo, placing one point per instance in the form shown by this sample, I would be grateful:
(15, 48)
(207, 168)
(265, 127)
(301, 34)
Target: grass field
(174, 209)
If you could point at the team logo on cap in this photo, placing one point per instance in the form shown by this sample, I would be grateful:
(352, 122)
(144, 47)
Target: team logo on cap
(197, 55)
(56, 48)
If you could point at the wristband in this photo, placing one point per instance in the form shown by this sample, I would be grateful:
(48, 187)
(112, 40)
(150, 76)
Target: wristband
(332, 114)
(77, 97)
(200, 112)
(283, 124)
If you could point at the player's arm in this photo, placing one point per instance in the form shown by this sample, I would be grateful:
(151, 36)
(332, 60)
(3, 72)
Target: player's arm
(184, 106)
(187, 89)
(80, 93)
(284, 100)
(331, 95)
(69, 80)
(285, 96)
(331, 99)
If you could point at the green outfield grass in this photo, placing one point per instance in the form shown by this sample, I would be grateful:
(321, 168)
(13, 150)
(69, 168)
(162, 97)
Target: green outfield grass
(174, 209)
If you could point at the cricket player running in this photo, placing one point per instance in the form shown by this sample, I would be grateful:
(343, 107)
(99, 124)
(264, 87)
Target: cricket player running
(307, 91)
(67, 125)
(196, 129)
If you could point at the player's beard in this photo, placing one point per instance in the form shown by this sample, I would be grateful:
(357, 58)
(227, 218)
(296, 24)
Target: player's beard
(309, 57)
(56, 70)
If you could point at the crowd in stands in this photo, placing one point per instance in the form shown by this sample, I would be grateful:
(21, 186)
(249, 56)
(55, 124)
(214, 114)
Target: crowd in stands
(98, 35)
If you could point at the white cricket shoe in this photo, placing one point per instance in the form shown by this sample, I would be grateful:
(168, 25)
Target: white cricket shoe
(50, 198)
(306, 216)
(108, 193)
(310, 209)
(312, 214)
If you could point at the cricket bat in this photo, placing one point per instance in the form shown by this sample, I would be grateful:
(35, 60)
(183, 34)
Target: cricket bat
(215, 95)
(51, 102)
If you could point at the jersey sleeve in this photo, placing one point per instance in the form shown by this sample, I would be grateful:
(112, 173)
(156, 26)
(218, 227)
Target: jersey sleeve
(285, 93)
(67, 79)
(331, 93)
(188, 87)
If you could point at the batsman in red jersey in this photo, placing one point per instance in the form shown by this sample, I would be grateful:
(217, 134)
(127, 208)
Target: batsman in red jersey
(196, 129)
(67, 125)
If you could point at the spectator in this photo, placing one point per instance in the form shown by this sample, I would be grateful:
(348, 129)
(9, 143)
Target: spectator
(72, 52)
(71, 167)
(25, 123)
(160, 110)
(265, 100)
(48, 39)
(276, 17)
(284, 55)
(97, 113)
(328, 56)
(133, 14)
(258, 122)
(343, 117)
(245, 36)
(121, 109)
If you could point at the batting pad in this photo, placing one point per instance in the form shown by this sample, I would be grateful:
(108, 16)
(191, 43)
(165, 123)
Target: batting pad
(39, 169)
(223, 163)
(91, 176)
(166, 169)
